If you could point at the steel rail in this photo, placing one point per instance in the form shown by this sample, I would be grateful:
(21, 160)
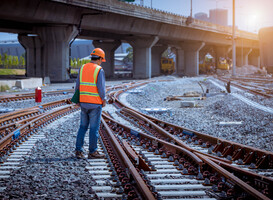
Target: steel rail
(143, 188)
(255, 193)
(168, 135)
(253, 79)
(226, 148)
(20, 134)
(260, 182)
(168, 145)
(213, 163)
(264, 159)
(23, 96)
(253, 91)
(16, 115)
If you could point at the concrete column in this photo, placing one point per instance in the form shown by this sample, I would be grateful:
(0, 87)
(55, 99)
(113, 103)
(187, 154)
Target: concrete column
(180, 62)
(142, 58)
(55, 40)
(191, 57)
(254, 58)
(156, 59)
(32, 45)
(242, 56)
(109, 48)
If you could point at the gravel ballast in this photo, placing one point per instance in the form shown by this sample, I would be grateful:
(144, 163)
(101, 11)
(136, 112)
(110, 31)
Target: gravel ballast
(51, 170)
(251, 126)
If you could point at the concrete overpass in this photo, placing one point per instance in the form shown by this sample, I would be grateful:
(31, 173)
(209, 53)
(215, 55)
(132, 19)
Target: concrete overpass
(46, 28)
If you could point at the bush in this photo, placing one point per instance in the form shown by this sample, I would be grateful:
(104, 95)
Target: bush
(4, 88)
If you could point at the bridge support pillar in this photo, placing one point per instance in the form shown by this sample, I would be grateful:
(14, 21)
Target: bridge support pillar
(32, 45)
(55, 40)
(242, 56)
(254, 58)
(156, 59)
(191, 57)
(180, 62)
(142, 58)
(109, 48)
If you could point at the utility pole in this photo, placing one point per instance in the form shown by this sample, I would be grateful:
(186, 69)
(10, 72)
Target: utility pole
(151, 3)
(233, 42)
(189, 18)
(141, 2)
(191, 8)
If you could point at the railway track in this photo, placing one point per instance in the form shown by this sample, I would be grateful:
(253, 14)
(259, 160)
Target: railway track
(221, 151)
(254, 86)
(156, 160)
(26, 96)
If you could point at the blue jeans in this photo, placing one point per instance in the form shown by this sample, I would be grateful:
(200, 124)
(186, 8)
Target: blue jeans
(91, 117)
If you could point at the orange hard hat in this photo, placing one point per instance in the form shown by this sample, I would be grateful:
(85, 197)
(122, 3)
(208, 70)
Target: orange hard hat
(99, 52)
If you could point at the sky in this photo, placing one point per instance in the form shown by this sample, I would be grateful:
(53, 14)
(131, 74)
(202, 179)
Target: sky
(251, 15)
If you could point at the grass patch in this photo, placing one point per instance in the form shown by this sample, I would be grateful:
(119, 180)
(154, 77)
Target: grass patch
(12, 71)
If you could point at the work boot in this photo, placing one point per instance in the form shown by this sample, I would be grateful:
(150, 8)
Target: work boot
(80, 155)
(96, 154)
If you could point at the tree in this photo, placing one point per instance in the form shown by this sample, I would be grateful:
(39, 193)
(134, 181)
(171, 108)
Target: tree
(78, 62)
(5, 60)
(71, 62)
(74, 63)
(9, 62)
(15, 61)
(1, 62)
(22, 61)
(129, 58)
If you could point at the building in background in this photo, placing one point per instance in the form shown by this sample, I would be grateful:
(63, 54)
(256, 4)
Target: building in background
(201, 16)
(219, 16)
(216, 16)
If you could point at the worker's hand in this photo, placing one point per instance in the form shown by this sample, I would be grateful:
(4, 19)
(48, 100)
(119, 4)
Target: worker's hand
(103, 103)
(78, 104)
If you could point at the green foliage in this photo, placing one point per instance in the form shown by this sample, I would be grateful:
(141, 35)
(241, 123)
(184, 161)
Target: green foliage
(129, 57)
(5, 60)
(74, 63)
(22, 61)
(86, 61)
(71, 62)
(15, 61)
(9, 62)
(4, 88)
(74, 71)
(78, 62)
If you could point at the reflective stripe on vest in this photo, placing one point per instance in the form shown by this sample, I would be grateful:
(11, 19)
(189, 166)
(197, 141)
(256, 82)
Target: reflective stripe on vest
(88, 84)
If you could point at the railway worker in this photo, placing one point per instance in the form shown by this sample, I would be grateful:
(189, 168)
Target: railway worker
(91, 85)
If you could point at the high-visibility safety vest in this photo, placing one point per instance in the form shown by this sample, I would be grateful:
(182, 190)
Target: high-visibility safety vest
(88, 83)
